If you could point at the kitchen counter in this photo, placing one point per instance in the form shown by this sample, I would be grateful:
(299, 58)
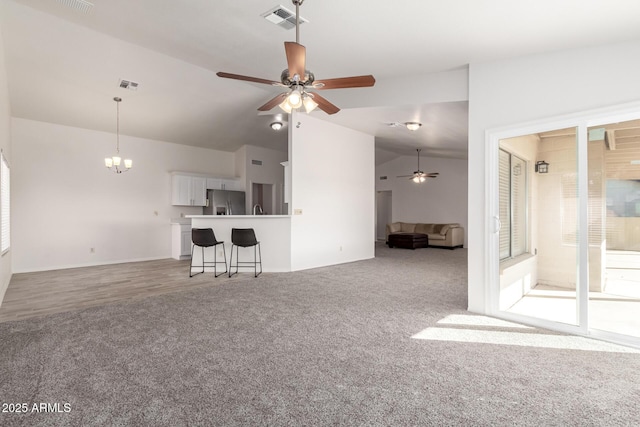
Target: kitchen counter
(272, 231)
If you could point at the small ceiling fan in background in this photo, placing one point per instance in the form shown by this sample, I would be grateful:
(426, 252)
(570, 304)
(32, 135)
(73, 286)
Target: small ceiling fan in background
(299, 80)
(418, 175)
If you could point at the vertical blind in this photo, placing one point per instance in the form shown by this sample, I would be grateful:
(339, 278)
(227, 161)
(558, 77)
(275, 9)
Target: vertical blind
(505, 204)
(518, 206)
(5, 205)
(513, 205)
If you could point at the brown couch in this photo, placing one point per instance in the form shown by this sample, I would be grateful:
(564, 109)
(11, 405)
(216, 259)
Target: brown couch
(440, 235)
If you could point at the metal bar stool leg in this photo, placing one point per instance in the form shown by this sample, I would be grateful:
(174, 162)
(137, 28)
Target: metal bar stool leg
(231, 261)
(260, 254)
(191, 262)
(224, 252)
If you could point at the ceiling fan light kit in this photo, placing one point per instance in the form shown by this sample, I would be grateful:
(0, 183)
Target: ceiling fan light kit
(299, 80)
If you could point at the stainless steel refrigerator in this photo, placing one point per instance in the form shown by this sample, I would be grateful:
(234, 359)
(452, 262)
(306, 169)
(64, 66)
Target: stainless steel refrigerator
(224, 202)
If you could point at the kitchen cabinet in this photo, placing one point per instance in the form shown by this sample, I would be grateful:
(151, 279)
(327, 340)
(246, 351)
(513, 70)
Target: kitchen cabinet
(233, 184)
(188, 190)
(214, 184)
(225, 184)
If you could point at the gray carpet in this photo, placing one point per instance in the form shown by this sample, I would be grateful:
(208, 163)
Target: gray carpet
(329, 346)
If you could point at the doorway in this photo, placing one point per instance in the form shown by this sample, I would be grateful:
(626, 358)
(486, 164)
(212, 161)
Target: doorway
(383, 213)
(262, 199)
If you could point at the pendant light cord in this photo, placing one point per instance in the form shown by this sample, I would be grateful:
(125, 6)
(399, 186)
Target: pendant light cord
(117, 99)
(118, 127)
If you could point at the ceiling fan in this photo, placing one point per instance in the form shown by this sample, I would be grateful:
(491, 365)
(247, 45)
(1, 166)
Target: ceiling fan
(418, 175)
(298, 80)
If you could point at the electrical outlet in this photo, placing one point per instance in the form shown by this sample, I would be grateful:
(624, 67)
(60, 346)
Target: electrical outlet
(340, 248)
(297, 211)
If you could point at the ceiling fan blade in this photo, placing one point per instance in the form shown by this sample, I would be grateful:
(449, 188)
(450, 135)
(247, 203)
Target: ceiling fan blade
(404, 176)
(296, 58)
(272, 103)
(344, 82)
(432, 175)
(247, 78)
(325, 105)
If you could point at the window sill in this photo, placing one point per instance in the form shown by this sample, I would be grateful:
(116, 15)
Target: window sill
(514, 261)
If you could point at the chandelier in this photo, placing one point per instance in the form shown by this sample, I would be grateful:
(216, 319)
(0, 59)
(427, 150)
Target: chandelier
(114, 163)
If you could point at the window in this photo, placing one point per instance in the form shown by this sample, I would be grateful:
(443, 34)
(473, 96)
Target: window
(513, 205)
(5, 205)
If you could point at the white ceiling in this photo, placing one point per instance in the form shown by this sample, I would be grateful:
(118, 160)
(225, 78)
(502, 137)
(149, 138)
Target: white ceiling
(64, 66)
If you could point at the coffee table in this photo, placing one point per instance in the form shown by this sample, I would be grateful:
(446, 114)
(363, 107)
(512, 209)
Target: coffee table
(408, 240)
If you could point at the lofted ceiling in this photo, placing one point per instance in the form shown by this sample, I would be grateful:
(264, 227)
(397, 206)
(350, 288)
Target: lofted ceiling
(64, 65)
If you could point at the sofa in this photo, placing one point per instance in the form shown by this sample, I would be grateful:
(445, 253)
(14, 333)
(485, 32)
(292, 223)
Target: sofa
(448, 236)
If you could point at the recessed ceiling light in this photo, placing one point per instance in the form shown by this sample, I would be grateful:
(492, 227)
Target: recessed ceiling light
(413, 126)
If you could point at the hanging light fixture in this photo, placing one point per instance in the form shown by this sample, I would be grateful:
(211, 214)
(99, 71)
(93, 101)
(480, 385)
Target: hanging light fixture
(276, 125)
(113, 163)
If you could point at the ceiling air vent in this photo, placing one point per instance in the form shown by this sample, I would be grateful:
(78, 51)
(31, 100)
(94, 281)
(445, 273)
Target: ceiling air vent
(383, 177)
(256, 162)
(282, 17)
(128, 84)
(81, 5)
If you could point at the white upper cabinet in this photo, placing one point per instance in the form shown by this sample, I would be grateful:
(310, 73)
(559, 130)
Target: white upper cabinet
(199, 191)
(214, 184)
(234, 184)
(187, 190)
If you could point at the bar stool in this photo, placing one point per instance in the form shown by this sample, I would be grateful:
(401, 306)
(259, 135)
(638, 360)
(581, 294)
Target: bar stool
(205, 238)
(245, 238)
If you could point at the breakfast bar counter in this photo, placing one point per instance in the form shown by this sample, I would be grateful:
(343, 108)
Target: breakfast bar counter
(272, 231)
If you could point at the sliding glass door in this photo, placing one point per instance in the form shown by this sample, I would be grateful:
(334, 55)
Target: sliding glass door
(566, 204)
(614, 232)
(539, 225)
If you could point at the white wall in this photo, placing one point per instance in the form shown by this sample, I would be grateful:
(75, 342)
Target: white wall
(439, 200)
(332, 171)
(66, 201)
(5, 145)
(505, 93)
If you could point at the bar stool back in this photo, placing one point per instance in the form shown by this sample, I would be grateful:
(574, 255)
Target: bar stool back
(245, 238)
(205, 238)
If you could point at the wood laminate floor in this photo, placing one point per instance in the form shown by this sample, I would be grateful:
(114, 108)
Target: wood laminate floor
(48, 292)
